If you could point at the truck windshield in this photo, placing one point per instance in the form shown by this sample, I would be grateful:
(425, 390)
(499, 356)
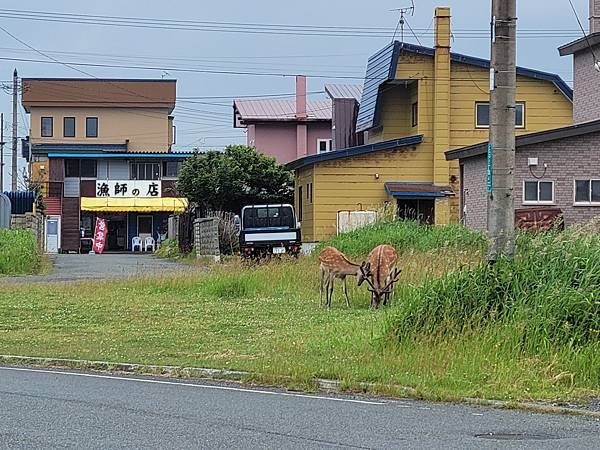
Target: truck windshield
(268, 217)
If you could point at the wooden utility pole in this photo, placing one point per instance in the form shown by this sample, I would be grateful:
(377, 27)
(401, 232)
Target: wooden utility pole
(2, 152)
(15, 169)
(501, 151)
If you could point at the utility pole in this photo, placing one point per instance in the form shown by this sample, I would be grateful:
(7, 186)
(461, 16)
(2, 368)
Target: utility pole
(2, 152)
(501, 150)
(15, 169)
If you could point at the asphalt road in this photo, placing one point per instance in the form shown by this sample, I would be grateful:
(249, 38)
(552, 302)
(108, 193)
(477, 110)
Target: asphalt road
(55, 409)
(69, 267)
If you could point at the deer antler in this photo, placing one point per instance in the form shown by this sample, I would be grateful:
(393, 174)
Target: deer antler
(393, 278)
(365, 270)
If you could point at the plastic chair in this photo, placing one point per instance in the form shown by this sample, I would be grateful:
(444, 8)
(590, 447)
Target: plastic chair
(136, 242)
(149, 242)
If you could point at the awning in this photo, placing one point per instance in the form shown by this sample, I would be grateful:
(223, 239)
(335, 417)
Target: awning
(108, 204)
(417, 190)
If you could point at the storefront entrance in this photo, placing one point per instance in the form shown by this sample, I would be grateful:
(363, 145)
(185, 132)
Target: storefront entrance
(116, 239)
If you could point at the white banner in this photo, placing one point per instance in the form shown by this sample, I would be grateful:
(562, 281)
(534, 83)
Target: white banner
(128, 188)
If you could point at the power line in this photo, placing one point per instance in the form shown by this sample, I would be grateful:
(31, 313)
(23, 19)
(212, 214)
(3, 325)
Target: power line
(584, 33)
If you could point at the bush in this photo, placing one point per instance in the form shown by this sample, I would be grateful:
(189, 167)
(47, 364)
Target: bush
(19, 253)
(404, 235)
(550, 296)
(169, 249)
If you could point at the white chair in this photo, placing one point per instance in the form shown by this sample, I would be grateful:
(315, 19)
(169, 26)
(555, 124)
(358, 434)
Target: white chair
(149, 242)
(136, 242)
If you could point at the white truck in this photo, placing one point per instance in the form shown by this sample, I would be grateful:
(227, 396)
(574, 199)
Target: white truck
(269, 230)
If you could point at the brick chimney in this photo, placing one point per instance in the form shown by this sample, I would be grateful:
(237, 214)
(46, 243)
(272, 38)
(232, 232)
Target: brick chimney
(301, 116)
(594, 16)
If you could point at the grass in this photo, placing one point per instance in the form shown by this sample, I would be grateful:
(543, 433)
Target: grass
(19, 254)
(439, 337)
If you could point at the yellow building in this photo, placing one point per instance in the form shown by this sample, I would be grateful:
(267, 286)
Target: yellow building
(417, 103)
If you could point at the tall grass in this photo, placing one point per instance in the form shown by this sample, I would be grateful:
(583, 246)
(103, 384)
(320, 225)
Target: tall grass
(545, 303)
(19, 254)
(405, 235)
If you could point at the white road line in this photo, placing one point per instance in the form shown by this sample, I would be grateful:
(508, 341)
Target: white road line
(204, 386)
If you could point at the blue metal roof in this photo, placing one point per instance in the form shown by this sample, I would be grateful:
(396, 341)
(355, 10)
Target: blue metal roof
(382, 68)
(46, 148)
(416, 190)
(100, 155)
(354, 151)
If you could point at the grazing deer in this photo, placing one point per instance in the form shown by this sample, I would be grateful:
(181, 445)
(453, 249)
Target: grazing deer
(334, 264)
(381, 273)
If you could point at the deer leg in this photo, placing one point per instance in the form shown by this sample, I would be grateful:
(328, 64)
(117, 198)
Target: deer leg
(331, 285)
(321, 282)
(345, 286)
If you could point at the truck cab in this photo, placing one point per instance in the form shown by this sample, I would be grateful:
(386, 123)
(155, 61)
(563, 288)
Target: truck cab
(269, 230)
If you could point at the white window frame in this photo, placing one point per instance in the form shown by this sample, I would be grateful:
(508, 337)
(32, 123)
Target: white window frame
(478, 126)
(329, 144)
(590, 203)
(538, 202)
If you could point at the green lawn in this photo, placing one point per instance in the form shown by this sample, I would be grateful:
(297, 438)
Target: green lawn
(268, 320)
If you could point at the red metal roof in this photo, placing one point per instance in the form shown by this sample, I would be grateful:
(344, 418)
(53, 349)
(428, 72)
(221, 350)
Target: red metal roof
(251, 110)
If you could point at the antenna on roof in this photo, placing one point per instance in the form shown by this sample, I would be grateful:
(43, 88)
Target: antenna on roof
(402, 20)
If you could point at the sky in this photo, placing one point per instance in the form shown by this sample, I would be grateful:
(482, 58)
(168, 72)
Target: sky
(203, 113)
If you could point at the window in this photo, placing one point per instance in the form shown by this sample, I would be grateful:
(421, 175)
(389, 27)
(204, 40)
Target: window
(47, 126)
(538, 192)
(300, 203)
(482, 115)
(171, 169)
(145, 171)
(310, 193)
(84, 168)
(88, 168)
(145, 225)
(415, 114)
(69, 126)
(71, 168)
(91, 127)
(587, 192)
(323, 145)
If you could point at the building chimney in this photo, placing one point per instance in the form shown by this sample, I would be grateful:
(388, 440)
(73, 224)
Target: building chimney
(300, 97)
(441, 104)
(301, 116)
(594, 16)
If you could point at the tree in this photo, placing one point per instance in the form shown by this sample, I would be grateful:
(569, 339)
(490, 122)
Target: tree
(229, 180)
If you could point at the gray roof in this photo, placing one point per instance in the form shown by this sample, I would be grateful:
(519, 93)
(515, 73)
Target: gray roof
(580, 44)
(529, 139)
(341, 91)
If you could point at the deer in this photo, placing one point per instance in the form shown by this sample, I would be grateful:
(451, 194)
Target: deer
(334, 264)
(381, 273)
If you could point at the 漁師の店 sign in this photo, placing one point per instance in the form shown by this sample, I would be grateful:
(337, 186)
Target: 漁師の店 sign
(128, 188)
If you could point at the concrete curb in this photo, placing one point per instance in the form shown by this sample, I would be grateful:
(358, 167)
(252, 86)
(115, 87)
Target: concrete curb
(323, 385)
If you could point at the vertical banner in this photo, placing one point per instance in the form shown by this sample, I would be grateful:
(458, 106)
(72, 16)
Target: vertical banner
(490, 161)
(100, 235)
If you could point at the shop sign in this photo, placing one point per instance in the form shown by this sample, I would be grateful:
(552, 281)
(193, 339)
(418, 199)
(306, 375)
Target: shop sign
(128, 188)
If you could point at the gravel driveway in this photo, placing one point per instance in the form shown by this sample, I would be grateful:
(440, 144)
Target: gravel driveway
(102, 267)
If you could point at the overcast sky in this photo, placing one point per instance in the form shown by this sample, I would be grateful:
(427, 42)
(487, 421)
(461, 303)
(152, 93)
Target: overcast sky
(205, 122)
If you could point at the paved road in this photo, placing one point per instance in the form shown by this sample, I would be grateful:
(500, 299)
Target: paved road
(55, 409)
(100, 267)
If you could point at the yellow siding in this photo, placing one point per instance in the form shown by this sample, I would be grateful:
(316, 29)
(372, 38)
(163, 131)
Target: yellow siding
(305, 179)
(446, 94)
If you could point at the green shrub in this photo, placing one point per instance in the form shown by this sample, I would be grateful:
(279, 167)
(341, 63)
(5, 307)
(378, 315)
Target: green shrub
(405, 235)
(549, 297)
(19, 253)
(169, 249)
